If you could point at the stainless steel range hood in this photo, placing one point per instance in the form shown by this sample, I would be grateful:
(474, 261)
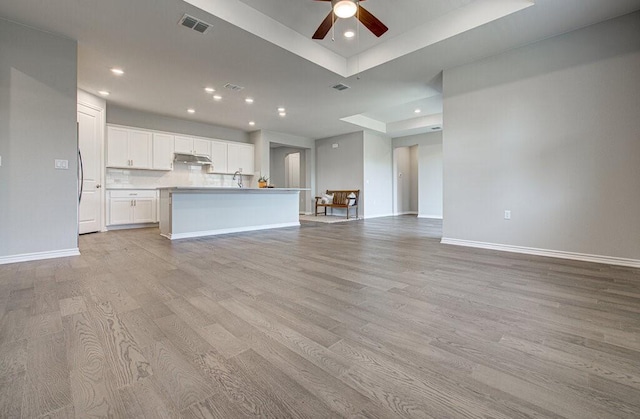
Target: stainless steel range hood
(192, 159)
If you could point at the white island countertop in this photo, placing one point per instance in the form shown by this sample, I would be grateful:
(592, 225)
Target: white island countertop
(227, 189)
(196, 211)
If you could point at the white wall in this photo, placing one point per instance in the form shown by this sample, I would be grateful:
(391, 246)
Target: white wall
(38, 204)
(550, 131)
(378, 175)
(430, 171)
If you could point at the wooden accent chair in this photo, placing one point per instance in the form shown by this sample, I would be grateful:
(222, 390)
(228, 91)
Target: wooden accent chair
(340, 200)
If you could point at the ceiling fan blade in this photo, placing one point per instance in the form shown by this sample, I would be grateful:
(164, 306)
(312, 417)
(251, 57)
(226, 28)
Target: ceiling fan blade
(324, 27)
(371, 22)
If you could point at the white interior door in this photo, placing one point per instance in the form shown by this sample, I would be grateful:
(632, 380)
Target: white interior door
(90, 144)
(292, 170)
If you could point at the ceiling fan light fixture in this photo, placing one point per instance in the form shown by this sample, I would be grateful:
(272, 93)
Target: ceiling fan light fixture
(345, 8)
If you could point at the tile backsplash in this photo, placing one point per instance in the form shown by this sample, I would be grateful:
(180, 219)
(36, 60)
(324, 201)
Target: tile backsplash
(181, 175)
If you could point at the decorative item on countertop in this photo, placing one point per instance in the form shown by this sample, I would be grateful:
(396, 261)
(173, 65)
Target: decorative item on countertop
(262, 181)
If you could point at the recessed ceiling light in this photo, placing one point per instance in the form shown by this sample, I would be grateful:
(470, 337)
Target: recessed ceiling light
(282, 113)
(281, 109)
(417, 111)
(217, 97)
(190, 110)
(249, 100)
(252, 123)
(117, 71)
(349, 34)
(209, 89)
(104, 93)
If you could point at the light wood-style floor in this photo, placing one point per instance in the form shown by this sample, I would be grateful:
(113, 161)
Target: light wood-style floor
(367, 319)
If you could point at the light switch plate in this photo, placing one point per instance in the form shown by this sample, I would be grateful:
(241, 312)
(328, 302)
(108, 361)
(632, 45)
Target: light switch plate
(61, 164)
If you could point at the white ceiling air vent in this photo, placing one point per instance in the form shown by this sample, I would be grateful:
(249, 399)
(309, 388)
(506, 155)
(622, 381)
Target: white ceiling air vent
(195, 24)
(340, 87)
(233, 87)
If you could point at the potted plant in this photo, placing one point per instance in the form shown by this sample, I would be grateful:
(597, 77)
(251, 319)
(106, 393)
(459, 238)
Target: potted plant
(262, 181)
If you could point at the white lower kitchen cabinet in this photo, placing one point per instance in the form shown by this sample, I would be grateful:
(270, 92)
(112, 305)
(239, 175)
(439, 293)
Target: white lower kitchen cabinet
(132, 206)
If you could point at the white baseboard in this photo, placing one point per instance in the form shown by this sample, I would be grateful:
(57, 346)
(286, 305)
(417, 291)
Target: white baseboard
(433, 217)
(130, 226)
(378, 216)
(193, 234)
(407, 213)
(26, 257)
(609, 260)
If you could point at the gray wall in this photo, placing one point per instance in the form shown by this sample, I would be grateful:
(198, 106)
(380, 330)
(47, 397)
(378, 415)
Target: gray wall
(550, 131)
(378, 175)
(342, 167)
(430, 171)
(140, 119)
(38, 204)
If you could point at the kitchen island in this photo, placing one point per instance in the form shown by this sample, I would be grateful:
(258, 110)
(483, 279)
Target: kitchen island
(187, 211)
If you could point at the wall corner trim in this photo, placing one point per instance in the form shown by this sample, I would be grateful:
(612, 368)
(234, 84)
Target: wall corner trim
(608, 260)
(26, 257)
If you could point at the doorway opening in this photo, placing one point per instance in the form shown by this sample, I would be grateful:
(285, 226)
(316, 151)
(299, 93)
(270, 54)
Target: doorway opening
(406, 181)
(288, 169)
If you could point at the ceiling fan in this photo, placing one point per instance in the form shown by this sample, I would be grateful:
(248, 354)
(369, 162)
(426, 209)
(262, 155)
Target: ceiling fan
(346, 9)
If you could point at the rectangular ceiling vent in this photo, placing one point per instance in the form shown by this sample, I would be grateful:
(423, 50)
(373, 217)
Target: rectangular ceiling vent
(340, 87)
(233, 87)
(195, 24)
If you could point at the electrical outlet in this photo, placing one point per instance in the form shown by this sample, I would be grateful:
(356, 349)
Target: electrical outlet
(507, 214)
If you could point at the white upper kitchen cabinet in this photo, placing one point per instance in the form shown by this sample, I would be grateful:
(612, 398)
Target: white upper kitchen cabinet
(187, 145)
(219, 156)
(162, 151)
(183, 145)
(240, 158)
(202, 147)
(129, 148)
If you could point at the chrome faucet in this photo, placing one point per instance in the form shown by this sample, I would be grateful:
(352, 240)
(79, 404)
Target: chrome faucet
(237, 173)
